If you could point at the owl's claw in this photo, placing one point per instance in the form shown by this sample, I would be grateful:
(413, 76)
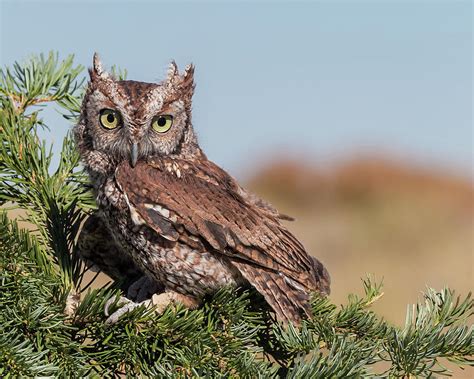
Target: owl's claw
(125, 305)
(159, 301)
(121, 302)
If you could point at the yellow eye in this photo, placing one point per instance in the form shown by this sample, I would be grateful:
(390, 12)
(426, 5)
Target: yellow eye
(109, 118)
(162, 124)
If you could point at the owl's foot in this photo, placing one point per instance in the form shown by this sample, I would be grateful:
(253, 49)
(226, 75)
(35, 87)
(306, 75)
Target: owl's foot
(125, 305)
(158, 301)
(138, 293)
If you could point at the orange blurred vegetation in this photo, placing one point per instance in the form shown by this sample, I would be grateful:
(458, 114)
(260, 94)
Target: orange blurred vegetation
(410, 226)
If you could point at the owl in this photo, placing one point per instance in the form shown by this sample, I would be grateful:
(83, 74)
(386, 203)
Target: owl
(169, 216)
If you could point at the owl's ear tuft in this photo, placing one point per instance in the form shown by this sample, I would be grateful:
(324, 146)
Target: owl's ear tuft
(184, 83)
(187, 82)
(173, 73)
(97, 71)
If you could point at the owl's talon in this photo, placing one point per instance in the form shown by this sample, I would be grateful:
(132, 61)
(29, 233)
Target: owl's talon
(121, 302)
(127, 306)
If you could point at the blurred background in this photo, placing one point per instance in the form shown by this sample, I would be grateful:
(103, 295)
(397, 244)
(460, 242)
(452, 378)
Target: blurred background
(355, 117)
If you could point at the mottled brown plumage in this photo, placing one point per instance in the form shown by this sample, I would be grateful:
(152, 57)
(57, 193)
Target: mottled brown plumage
(173, 214)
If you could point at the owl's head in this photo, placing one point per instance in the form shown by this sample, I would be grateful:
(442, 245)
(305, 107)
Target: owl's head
(129, 120)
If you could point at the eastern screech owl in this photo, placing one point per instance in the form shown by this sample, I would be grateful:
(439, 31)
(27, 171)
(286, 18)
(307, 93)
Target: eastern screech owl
(169, 213)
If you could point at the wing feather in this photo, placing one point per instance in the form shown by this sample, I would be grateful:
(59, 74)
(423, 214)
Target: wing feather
(203, 201)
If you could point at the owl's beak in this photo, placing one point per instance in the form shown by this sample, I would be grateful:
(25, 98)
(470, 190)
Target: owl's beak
(134, 154)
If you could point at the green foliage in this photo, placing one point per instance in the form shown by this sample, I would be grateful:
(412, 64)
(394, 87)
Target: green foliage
(231, 335)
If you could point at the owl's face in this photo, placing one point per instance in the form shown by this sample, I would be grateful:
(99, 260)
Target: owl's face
(129, 120)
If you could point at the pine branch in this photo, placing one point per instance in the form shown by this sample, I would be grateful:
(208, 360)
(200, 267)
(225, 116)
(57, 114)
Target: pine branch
(433, 330)
(35, 334)
(54, 202)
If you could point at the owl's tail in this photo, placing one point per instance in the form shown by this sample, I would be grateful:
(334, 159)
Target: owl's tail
(286, 297)
(322, 276)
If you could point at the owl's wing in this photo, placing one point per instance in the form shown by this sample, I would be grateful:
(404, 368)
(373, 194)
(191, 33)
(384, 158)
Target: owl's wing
(197, 201)
(264, 205)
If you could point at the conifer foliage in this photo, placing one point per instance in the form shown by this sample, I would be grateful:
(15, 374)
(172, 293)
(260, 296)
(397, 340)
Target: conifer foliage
(232, 334)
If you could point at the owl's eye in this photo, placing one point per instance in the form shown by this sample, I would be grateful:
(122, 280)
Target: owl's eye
(162, 124)
(109, 118)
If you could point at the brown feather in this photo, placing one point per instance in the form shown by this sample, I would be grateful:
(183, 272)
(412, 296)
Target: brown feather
(203, 201)
(198, 203)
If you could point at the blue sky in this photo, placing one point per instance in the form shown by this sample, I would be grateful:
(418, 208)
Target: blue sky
(321, 80)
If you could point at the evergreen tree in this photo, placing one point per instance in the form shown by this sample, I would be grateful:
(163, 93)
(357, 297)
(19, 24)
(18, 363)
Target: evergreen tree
(43, 332)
